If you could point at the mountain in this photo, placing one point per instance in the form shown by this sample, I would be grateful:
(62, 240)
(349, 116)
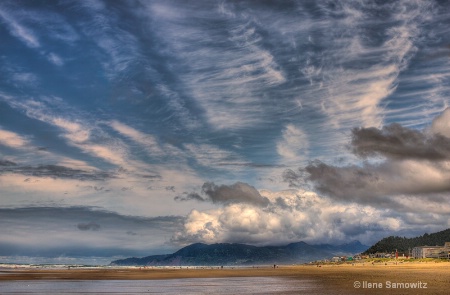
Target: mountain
(344, 249)
(240, 254)
(403, 245)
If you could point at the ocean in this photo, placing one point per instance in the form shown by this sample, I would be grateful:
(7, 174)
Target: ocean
(259, 285)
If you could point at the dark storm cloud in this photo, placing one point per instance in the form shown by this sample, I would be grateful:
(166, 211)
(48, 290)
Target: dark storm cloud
(408, 162)
(326, 176)
(237, 193)
(225, 194)
(388, 178)
(54, 171)
(189, 196)
(350, 183)
(342, 182)
(398, 142)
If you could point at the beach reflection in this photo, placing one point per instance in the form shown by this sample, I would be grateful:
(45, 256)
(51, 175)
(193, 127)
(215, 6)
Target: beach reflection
(261, 285)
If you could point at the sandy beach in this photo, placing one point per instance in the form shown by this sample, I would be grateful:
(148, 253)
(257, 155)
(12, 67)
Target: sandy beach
(359, 278)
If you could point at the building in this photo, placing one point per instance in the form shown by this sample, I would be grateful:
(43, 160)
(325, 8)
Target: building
(380, 255)
(426, 252)
(432, 251)
(336, 259)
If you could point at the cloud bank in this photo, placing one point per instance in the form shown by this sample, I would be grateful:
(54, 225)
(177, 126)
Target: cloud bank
(82, 231)
(291, 216)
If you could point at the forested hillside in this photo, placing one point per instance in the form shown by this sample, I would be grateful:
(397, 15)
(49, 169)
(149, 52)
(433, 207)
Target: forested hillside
(403, 245)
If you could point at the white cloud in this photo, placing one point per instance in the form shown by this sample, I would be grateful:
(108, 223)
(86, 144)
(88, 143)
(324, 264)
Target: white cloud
(146, 140)
(113, 151)
(212, 156)
(294, 145)
(220, 78)
(120, 46)
(75, 132)
(20, 31)
(20, 190)
(75, 164)
(293, 216)
(133, 192)
(110, 154)
(55, 59)
(353, 77)
(153, 147)
(13, 140)
(178, 107)
(441, 124)
(78, 134)
(129, 193)
(22, 77)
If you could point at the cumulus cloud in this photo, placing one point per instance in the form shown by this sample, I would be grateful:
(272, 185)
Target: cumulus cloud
(441, 124)
(397, 161)
(226, 194)
(291, 216)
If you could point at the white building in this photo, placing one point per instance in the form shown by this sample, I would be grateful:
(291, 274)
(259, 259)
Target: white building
(336, 259)
(432, 251)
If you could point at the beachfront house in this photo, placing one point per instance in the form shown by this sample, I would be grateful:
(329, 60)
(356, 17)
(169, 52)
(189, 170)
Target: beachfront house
(335, 259)
(380, 255)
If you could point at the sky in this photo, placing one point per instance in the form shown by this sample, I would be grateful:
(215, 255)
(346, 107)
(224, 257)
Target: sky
(131, 128)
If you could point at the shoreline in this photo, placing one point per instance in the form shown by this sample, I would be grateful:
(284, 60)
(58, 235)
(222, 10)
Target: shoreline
(419, 277)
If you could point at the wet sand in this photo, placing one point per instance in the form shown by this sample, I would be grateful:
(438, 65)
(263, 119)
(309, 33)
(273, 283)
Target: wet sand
(408, 278)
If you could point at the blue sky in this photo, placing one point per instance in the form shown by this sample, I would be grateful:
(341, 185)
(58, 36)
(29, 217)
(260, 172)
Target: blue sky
(142, 126)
